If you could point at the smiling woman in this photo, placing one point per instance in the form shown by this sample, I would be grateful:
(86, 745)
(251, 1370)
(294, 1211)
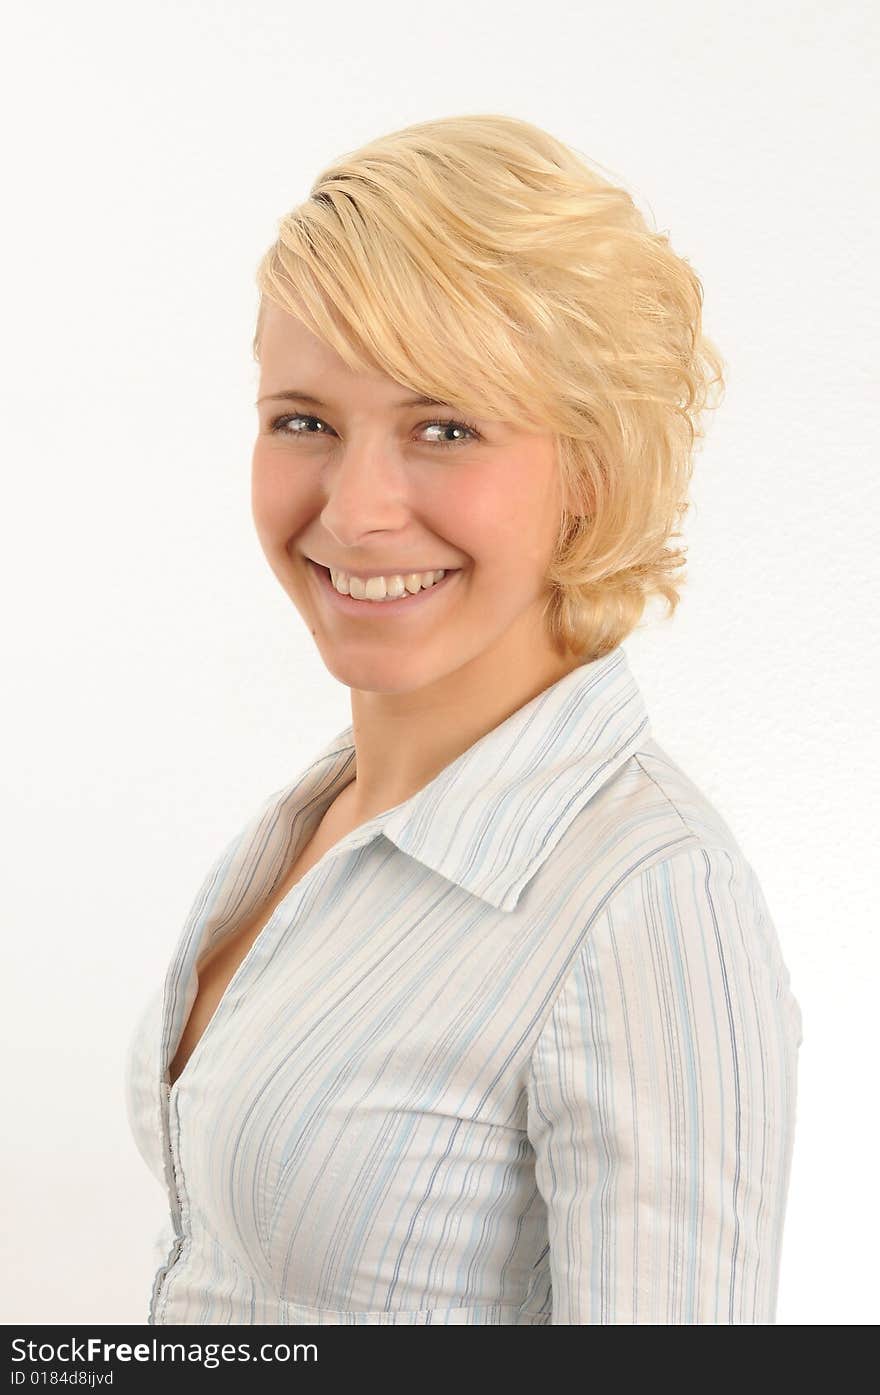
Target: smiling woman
(373, 490)
(493, 268)
(482, 1018)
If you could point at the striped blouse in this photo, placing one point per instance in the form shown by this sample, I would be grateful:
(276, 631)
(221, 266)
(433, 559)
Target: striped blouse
(520, 1049)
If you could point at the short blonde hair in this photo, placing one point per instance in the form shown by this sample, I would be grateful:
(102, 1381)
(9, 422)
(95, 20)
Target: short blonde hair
(478, 260)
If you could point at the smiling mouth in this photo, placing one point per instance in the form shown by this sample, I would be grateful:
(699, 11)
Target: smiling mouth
(409, 601)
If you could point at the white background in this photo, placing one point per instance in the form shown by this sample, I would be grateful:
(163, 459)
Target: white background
(160, 684)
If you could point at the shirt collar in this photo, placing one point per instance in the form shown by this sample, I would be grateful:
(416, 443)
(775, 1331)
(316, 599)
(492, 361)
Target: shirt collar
(490, 818)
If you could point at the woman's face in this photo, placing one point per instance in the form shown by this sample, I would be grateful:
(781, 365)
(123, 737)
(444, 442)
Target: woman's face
(362, 481)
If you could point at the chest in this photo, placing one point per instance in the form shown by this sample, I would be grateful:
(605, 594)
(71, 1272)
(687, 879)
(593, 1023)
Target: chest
(360, 1098)
(218, 967)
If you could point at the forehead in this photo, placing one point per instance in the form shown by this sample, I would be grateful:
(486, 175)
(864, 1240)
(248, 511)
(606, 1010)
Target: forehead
(292, 356)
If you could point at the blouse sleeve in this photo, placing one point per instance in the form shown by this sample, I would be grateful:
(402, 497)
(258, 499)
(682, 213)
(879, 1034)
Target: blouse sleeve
(661, 1102)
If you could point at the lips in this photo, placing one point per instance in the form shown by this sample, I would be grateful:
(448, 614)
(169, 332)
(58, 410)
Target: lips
(408, 603)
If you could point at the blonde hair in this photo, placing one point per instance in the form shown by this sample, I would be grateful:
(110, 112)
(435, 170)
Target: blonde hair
(478, 260)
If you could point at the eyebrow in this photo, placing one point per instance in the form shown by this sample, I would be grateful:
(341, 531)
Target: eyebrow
(293, 395)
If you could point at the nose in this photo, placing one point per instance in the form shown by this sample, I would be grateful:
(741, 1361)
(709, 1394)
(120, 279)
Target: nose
(367, 491)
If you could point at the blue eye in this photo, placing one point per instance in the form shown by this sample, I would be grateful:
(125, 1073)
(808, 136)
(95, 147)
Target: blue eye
(279, 428)
(454, 425)
(278, 425)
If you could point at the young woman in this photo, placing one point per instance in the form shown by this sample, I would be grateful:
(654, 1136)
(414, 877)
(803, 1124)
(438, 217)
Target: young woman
(483, 1017)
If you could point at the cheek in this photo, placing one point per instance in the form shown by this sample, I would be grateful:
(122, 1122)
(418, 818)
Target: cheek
(479, 513)
(508, 516)
(278, 498)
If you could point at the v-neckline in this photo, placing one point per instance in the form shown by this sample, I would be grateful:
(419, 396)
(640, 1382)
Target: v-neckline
(360, 834)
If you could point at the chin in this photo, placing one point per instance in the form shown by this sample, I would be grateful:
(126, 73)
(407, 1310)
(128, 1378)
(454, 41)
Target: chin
(388, 674)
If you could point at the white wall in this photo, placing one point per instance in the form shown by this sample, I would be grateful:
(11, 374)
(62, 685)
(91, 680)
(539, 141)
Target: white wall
(160, 685)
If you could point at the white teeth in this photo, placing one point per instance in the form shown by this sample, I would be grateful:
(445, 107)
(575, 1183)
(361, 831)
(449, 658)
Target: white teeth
(381, 588)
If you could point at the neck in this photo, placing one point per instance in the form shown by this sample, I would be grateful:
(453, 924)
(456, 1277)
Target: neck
(403, 740)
